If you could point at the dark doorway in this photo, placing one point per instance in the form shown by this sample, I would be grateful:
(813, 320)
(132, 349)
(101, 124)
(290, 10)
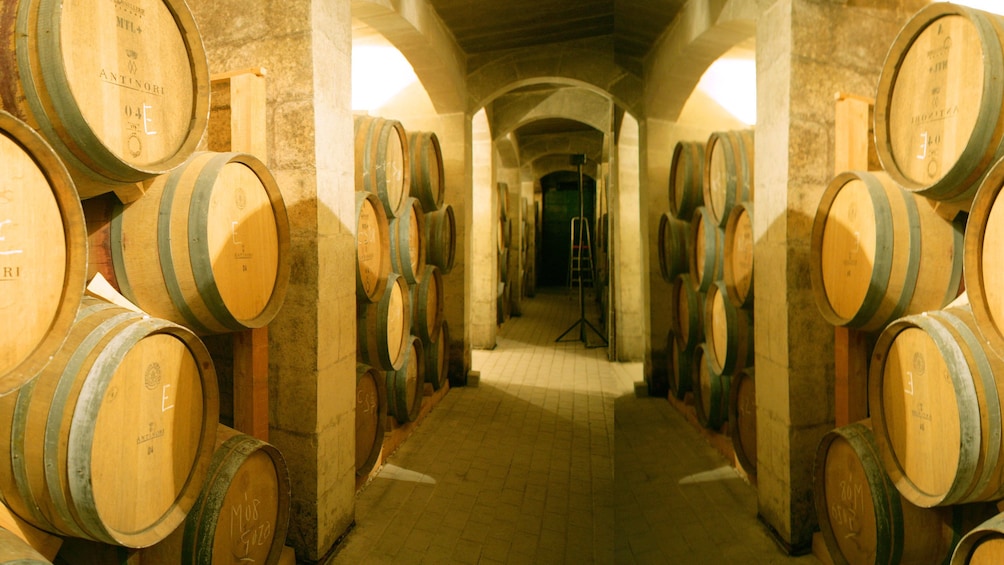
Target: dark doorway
(560, 196)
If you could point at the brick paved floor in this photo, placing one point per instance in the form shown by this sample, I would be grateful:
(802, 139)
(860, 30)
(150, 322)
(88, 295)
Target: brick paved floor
(521, 468)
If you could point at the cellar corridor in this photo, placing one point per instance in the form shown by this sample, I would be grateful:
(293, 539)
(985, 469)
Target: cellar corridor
(525, 468)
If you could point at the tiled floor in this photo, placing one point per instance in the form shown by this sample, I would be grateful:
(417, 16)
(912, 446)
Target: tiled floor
(523, 468)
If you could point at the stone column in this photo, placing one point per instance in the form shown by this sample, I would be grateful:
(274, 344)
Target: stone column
(455, 138)
(657, 146)
(629, 246)
(807, 50)
(305, 48)
(483, 255)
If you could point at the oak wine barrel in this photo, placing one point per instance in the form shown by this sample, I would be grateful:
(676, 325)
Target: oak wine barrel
(242, 514)
(383, 327)
(371, 416)
(688, 311)
(742, 418)
(16, 551)
(686, 179)
(207, 246)
(437, 358)
(711, 390)
(680, 368)
(982, 258)
(728, 332)
(407, 241)
(728, 172)
(121, 93)
(707, 254)
(43, 252)
(428, 181)
(111, 442)
(502, 192)
(864, 520)
(372, 247)
(381, 161)
(674, 247)
(934, 396)
(982, 545)
(879, 252)
(406, 386)
(737, 265)
(427, 305)
(938, 124)
(440, 238)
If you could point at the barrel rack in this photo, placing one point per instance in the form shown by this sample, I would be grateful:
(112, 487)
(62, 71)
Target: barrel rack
(853, 143)
(247, 134)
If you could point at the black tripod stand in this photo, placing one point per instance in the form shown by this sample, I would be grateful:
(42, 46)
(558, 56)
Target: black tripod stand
(582, 323)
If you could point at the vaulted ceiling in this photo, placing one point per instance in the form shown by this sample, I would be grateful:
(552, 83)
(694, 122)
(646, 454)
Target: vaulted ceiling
(483, 26)
(486, 27)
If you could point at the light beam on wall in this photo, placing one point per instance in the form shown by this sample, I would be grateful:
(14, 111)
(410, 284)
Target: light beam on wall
(732, 84)
(378, 74)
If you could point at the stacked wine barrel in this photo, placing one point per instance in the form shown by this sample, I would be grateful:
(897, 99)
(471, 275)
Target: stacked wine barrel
(908, 256)
(503, 240)
(706, 254)
(113, 407)
(404, 245)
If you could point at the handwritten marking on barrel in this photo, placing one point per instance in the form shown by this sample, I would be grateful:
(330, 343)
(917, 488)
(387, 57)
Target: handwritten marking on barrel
(244, 522)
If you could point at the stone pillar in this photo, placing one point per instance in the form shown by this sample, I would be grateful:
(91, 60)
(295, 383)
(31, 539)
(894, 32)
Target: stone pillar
(305, 47)
(658, 146)
(455, 139)
(806, 52)
(483, 255)
(629, 246)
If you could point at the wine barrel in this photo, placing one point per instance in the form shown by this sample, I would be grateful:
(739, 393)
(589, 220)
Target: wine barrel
(686, 179)
(381, 161)
(121, 93)
(742, 418)
(406, 386)
(674, 247)
(16, 551)
(935, 405)
(688, 311)
(407, 241)
(864, 520)
(502, 236)
(372, 247)
(879, 253)
(437, 358)
(728, 332)
(371, 415)
(711, 390)
(43, 253)
(427, 305)
(383, 327)
(982, 260)
(242, 514)
(708, 249)
(728, 172)
(207, 246)
(737, 262)
(112, 440)
(983, 545)
(440, 238)
(502, 192)
(428, 181)
(680, 367)
(938, 124)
